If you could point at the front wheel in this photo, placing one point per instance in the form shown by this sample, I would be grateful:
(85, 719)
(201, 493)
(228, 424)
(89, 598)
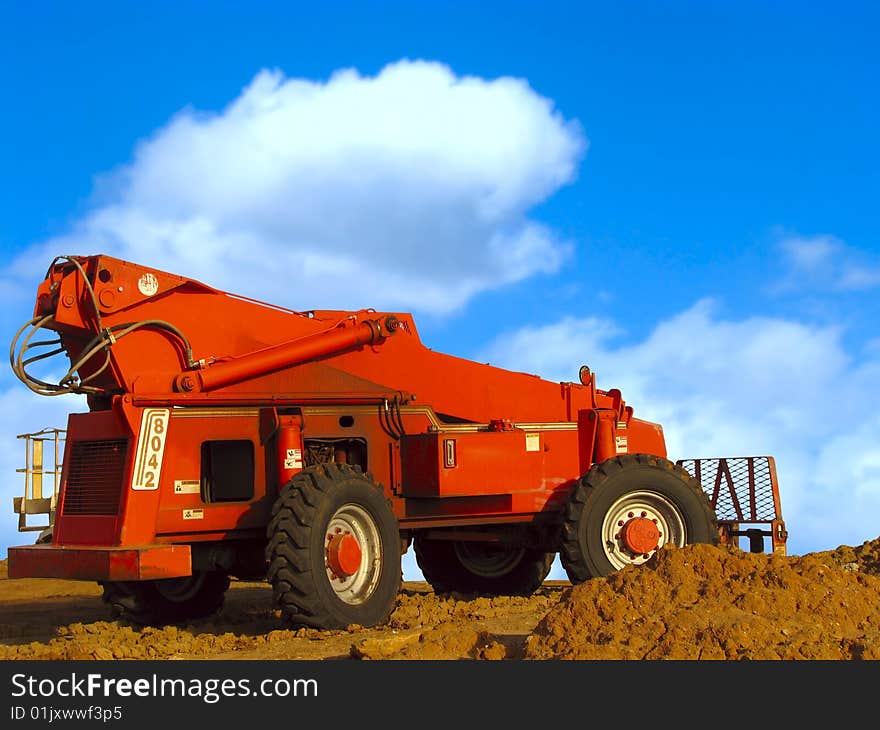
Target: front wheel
(625, 509)
(334, 549)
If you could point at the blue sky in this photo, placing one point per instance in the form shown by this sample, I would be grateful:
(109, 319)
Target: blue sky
(682, 195)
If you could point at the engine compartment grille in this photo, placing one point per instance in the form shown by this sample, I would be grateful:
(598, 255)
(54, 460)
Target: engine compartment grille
(94, 477)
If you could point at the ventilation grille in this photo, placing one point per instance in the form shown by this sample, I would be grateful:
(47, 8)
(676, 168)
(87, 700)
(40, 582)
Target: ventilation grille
(94, 477)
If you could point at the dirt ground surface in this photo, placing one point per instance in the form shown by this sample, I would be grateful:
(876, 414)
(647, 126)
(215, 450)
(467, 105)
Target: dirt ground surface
(697, 602)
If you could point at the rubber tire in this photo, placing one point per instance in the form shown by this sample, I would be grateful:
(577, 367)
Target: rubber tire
(582, 553)
(295, 552)
(444, 571)
(141, 602)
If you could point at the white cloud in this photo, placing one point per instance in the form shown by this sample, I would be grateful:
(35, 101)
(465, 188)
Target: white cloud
(823, 261)
(809, 253)
(756, 386)
(408, 189)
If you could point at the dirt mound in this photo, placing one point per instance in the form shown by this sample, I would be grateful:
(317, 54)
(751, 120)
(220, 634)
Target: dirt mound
(865, 558)
(705, 602)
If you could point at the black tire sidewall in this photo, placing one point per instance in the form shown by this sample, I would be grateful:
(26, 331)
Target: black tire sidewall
(443, 568)
(374, 609)
(141, 602)
(516, 581)
(691, 505)
(206, 601)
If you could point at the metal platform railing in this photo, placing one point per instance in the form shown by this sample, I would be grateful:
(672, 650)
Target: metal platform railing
(744, 492)
(44, 452)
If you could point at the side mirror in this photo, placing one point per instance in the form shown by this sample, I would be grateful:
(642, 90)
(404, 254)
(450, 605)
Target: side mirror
(585, 376)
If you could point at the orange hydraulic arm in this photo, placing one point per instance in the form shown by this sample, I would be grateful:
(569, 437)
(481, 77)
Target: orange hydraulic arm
(287, 354)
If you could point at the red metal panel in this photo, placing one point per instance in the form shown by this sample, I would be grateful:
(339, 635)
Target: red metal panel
(484, 509)
(97, 563)
(170, 561)
(182, 511)
(87, 530)
(485, 463)
(645, 437)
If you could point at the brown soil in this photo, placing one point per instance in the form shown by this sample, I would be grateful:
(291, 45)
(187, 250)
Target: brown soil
(697, 602)
(703, 602)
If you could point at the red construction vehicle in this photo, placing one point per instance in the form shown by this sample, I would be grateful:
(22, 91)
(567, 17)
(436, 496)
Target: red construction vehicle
(230, 437)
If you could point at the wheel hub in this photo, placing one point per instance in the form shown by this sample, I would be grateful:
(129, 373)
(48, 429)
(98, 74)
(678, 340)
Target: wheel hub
(638, 524)
(344, 554)
(352, 554)
(640, 535)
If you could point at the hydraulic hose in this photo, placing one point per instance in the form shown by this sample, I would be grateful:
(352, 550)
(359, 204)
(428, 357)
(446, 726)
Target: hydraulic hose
(103, 341)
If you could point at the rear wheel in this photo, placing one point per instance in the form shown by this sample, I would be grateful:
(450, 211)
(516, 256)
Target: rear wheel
(625, 509)
(334, 549)
(167, 601)
(489, 568)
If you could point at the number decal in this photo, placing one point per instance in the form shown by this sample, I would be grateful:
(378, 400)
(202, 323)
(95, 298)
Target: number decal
(151, 447)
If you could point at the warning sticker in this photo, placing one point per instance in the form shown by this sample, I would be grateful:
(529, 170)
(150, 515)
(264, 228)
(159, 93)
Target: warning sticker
(533, 442)
(293, 459)
(187, 486)
(622, 446)
(148, 284)
(193, 514)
